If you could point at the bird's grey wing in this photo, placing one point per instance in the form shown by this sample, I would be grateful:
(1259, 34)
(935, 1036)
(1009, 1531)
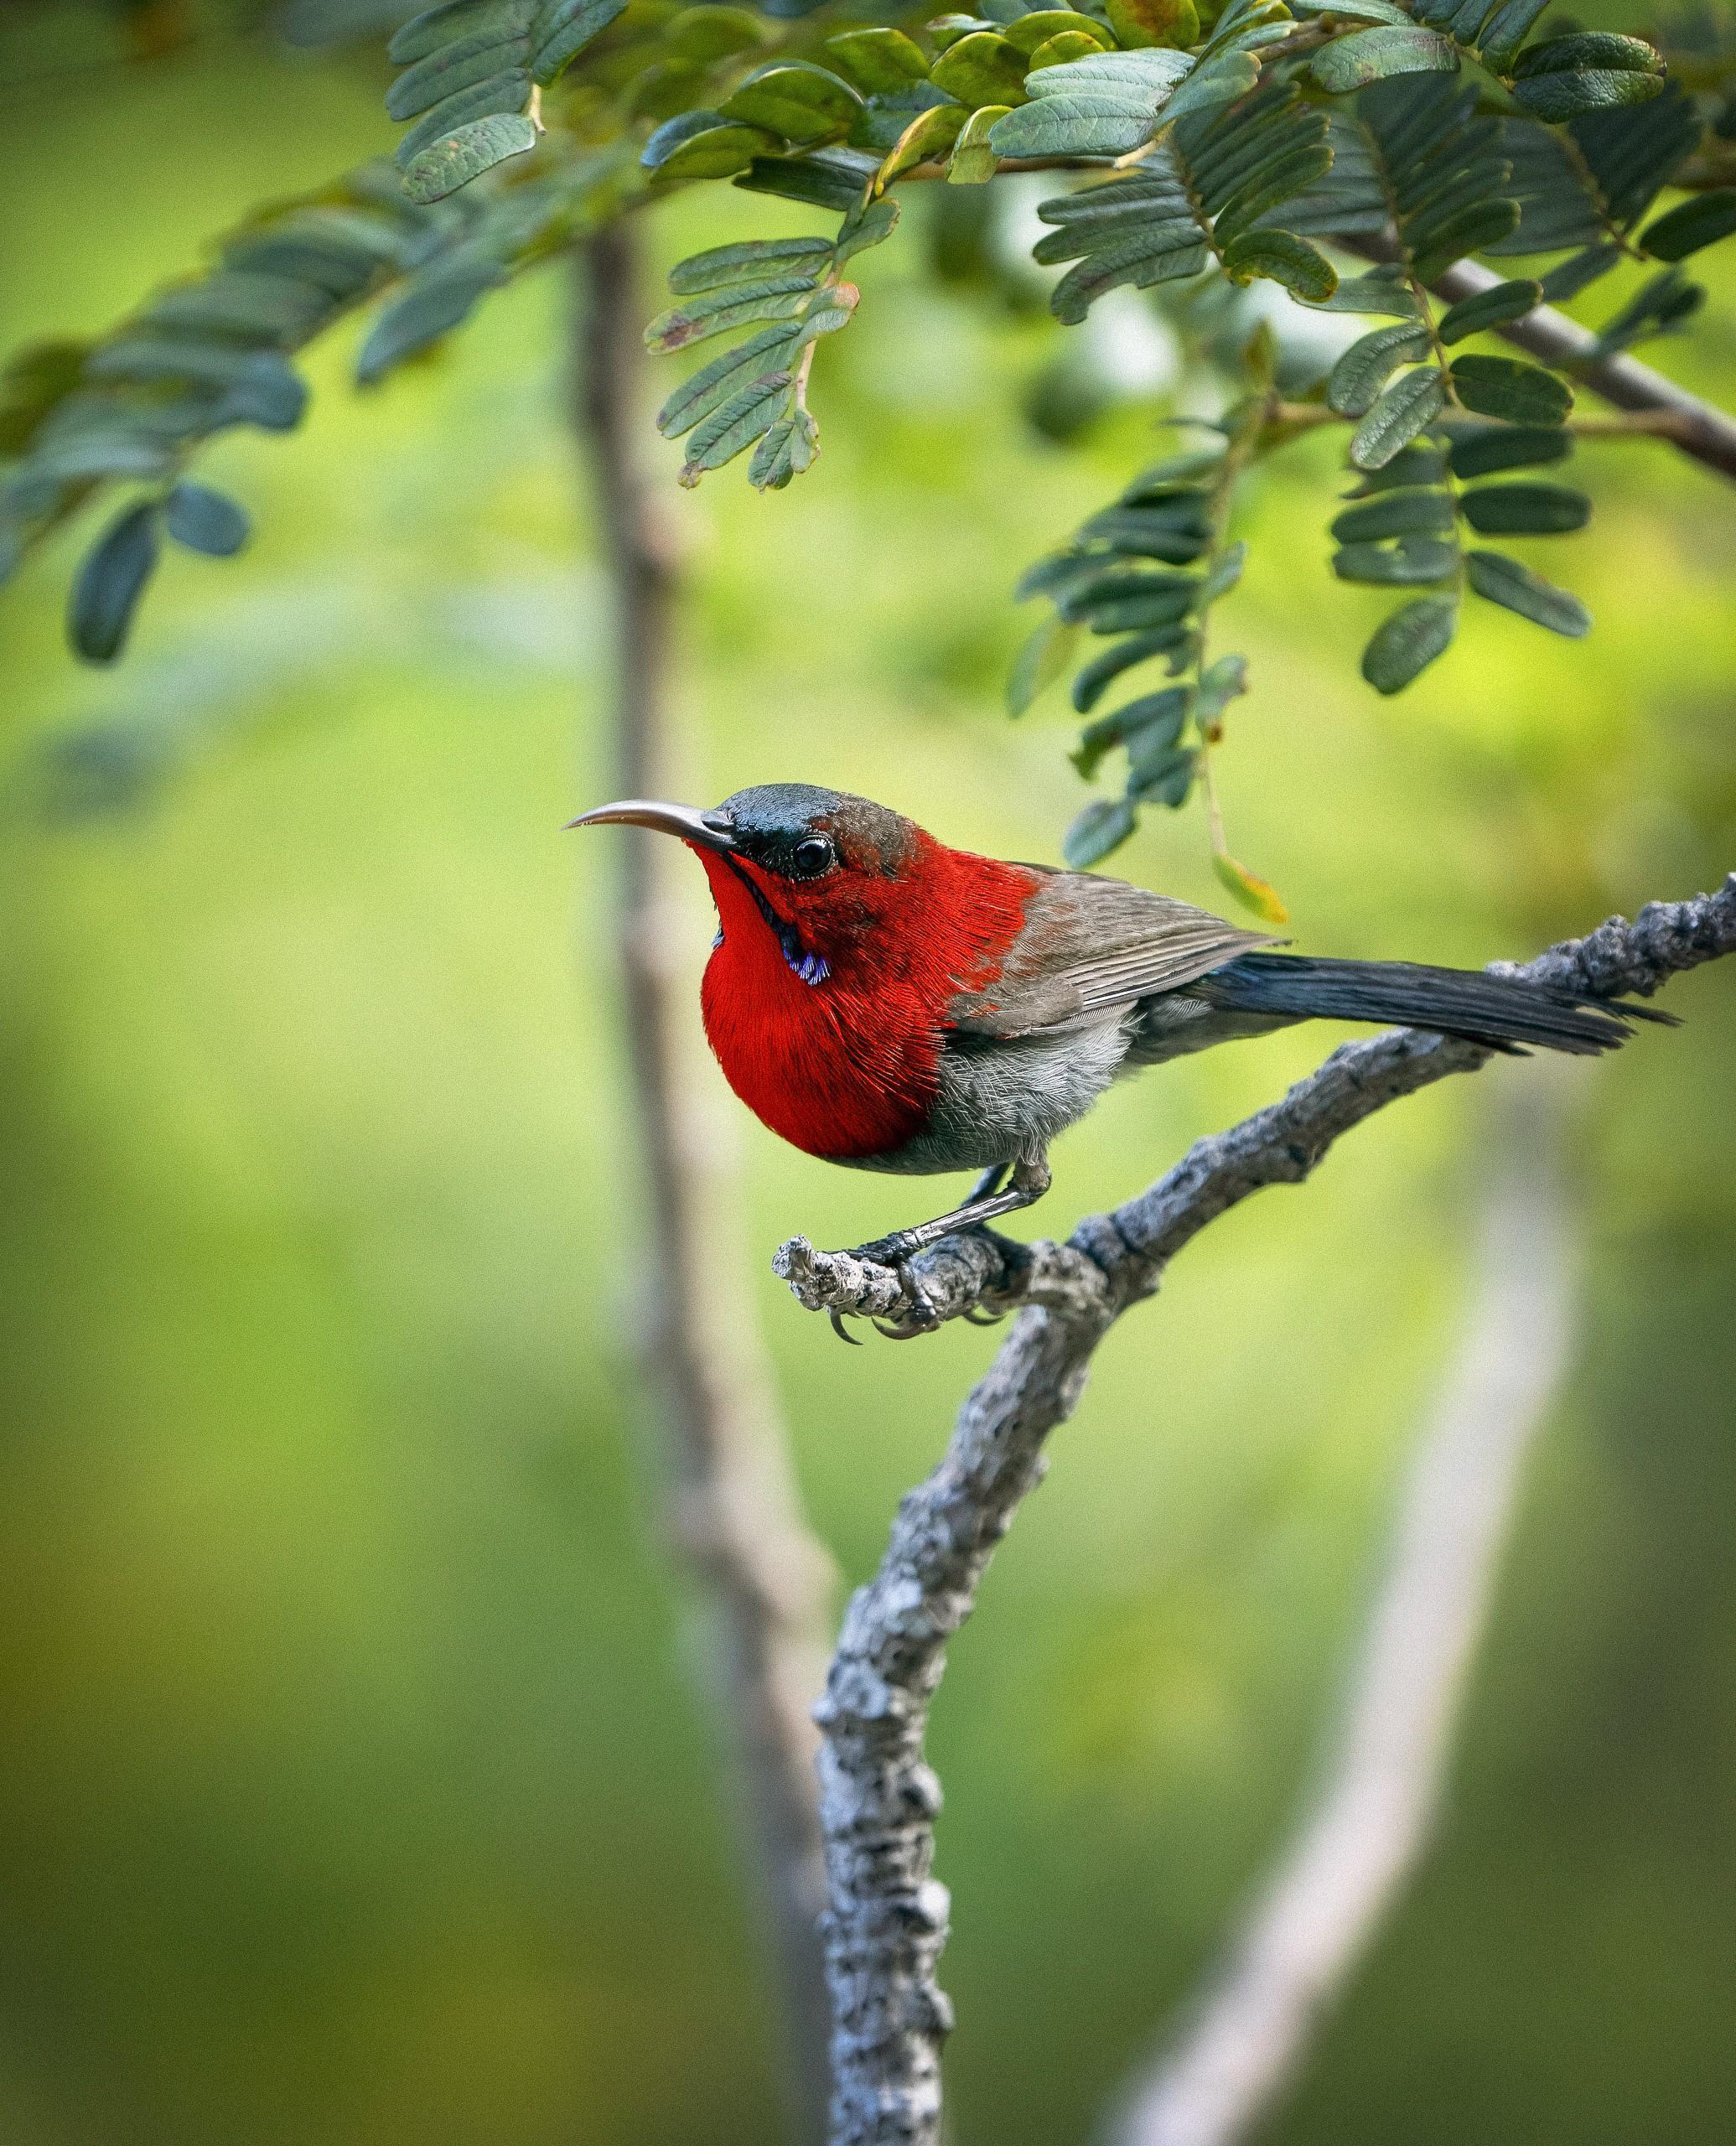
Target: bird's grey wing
(1089, 944)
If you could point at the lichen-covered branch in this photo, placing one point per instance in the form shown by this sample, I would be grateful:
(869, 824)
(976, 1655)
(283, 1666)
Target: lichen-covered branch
(887, 1913)
(1373, 1811)
(765, 1581)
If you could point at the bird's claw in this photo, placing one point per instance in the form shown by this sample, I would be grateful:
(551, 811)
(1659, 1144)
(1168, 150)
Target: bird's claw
(921, 1316)
(838, 1327)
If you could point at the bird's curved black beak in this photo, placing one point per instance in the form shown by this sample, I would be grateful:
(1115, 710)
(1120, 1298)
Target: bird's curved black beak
(687, 822)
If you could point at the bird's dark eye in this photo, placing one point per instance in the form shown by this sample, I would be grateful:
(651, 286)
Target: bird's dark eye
(811, 856)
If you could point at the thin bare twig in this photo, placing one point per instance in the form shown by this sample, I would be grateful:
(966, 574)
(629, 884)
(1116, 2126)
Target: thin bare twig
(1383, 1771)
(887, 1917)
(763, 1580)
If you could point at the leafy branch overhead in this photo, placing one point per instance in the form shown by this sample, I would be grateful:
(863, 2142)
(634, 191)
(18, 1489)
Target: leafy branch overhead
(1356, 156)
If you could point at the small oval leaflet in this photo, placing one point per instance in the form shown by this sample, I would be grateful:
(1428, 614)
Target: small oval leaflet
(109, 583)
(205, 520)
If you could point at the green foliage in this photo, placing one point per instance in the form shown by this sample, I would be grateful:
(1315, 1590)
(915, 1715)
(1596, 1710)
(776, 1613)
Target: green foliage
(1104, 105)
(473, 74)
(1258, 141)
(1205, 191)
(789, 292)
(1142, 577)
(136, 407)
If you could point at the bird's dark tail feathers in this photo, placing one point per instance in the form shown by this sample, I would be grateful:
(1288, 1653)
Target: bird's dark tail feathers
(1504, 1012)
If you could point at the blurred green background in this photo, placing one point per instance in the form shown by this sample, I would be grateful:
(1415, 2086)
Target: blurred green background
(352, 1785)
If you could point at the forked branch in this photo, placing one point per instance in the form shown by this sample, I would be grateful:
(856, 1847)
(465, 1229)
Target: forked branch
(887, 1917)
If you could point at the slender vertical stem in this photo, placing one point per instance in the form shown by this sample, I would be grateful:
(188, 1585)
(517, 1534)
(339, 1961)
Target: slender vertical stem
(763, 1581)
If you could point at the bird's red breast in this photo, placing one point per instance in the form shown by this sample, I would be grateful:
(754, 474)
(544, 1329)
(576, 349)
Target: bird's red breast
(846, 1067)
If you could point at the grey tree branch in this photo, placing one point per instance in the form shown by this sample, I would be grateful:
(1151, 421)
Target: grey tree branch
(763, 1581)
(1701, 431)
(887, 1917)
(1383, 1771)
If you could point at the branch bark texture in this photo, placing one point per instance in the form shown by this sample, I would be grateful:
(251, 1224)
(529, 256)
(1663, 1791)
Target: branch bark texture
(1385, 1768)
(765, 1581)
(887, 1915)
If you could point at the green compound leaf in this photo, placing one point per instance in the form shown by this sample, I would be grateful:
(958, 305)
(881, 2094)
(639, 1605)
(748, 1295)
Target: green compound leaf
(469, 71)
(1360, 11)
(984, 68)
(786, 450)
(1421, 463)
(1501, 580)
(109, 583)
(430, 308)
(714, 312)
(1409, 405)
(1363, 370)
(1352, 63)
(1491, 309)
(1210, 185)
(1595, 49)
(1557, 98)
(1174, 642)
(1303, 269)
(1155, 719)
(1684, 229)
(737, 424)
(704, 145)
(1104, 105)
(1103, 826)
(204, 521)
(878, 60)
(1395, 514)
(1042, 659)
(931, 135)
(773, 349)
(1525, 509)
(1509, 389)
(1409, 641)
(1030, 33)
(1437, 241)
(1488, 448)
(792, 98)
(461, 129)
(827, 179)
(1381, 290)
(973, 162)
(1163, 776)
(1214, 82)
(748, 262)
(1412, 561)
(1070, 45)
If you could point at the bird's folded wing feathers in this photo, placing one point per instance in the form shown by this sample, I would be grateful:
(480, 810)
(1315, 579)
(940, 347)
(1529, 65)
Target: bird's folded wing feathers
(1090, 944)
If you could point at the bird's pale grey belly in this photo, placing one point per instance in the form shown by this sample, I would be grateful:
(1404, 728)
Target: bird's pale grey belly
(1008, 1096)
(1172, 1022)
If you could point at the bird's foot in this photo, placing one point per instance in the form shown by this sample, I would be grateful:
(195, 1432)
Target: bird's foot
(920, 1314)
(900, 1294)
(894, 1250)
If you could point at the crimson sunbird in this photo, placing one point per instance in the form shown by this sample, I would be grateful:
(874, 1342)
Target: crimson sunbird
(880, 1000)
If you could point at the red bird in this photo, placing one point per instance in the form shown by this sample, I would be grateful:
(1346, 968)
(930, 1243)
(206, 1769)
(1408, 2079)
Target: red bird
(883, 1001)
